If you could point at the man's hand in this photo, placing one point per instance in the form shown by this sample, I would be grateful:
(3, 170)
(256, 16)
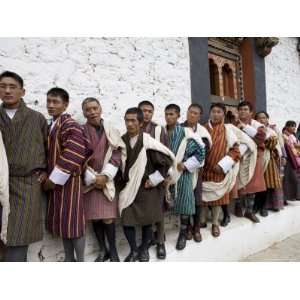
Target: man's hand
(167, 182)
(218, 169)
(148, 184)
(42, 176)
(181, 167)
(48, 185)
(101, 181)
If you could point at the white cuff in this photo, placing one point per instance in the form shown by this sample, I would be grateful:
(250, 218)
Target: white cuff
(89, 177)
(226, 163)
(110, 171)
(156, 178)
(243, 148)
(57, 176)
(192, 164)
(251, 131)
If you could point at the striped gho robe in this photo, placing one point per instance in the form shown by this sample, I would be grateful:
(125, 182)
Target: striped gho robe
(183, 191)
(67, 152)
(25, 141)
(215, 154)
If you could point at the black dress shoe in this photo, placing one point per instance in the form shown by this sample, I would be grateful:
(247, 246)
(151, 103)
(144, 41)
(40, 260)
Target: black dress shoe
(114, 257)
(181, 242)
(161, 251)
(225, 221)
(132, 256)
(263, 212)
(103, 256)
(144, 255)
(252, 217)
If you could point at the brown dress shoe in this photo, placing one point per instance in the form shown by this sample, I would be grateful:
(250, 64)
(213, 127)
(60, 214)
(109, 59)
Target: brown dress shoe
(197, 234)
(215, 230)
(189, 235)
(252, 217)
(238, 211)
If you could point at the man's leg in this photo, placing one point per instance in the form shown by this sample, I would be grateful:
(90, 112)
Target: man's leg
(203, 216)
(98, 227)
(146, 237)
(196, 228)
(226, 215)
(160, 248)
(110, 231)
(238, 207)
(215, 220)
(79, 246)
(249, 203)
(69, 250)
(16, 253)
(181, 241)
(129, 232)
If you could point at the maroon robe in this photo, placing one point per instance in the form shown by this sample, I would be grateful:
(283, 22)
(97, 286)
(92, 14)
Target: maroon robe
(67, 150)
(96, 205)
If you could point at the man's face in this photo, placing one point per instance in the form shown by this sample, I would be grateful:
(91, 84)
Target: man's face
(92, 112)
(262, 118)
(291, 129)
(217, 115)
(11, 92)
(193, 115)
(245, 112)
(132, 124)
(171, 117)
(148, 112)
(55, 106)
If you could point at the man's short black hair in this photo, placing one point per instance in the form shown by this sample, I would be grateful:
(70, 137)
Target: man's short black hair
(173, 106)
(136, 111)
(13, 75)
(245, 103)
(290, 124)
(196, 105)
(59, 92)
(145, 102)
(88, 100)
(262, 112)
(219, 105)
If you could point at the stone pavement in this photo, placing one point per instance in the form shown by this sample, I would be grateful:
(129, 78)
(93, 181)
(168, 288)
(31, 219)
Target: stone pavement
(287, 250)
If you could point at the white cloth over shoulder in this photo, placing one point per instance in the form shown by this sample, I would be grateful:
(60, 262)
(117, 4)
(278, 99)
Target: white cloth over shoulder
(4, 190)
(203, 133)
(136, 172)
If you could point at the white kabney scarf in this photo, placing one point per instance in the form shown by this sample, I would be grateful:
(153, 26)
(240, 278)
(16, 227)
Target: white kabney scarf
(136, 172)
(4, 190)
(203, 133)
(243, 171)
(114, 140)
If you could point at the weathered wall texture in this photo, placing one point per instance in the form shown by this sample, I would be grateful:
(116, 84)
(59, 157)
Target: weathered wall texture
(283, 82)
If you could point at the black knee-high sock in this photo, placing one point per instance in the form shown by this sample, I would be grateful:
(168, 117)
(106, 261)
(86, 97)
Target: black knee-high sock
(197, 216)
(79, 245)
(225, 210)
(110, 230)
(69, 250)
(146, 236)
(184, 222)
(129, 232)
(98, 227)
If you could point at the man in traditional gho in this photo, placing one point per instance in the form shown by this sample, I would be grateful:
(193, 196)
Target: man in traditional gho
(24, 133)
(144, 169)
(291, 179)
(100, 202)
(159, 133)
(222, 166)
(192, 121)
(190, 154)
(67, 152)
(272, 198)
(4, 193)
(258, 133)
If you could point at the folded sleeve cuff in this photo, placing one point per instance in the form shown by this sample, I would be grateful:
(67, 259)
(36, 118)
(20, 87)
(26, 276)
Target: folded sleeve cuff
(156, 178)
(192, 164)
(110, 171)
(251, 131)
(89, 177)
(243, 148)
(59, 177)
(226, 163)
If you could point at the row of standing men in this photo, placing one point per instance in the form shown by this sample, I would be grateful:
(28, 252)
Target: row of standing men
(92, 173)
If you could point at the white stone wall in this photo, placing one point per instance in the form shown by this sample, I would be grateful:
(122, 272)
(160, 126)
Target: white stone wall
(283, 82)
(119, 71)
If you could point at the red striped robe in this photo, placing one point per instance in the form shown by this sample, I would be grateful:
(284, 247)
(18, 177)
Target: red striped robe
(67, 150)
